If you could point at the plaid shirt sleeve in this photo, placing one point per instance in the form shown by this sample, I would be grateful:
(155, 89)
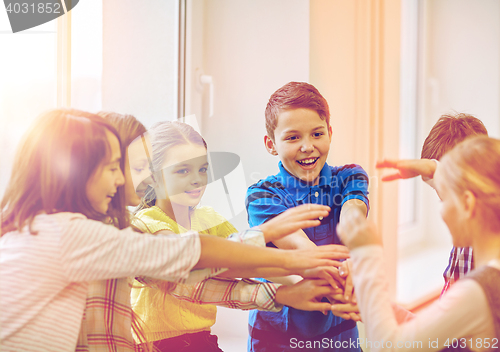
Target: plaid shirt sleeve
(107, 320)
(253, 236)
(237, 294)
(460, 263)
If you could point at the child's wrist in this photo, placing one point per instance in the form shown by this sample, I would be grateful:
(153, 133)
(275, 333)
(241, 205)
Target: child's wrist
(266, 232)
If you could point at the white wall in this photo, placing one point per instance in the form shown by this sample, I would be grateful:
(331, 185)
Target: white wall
(250, 48)
(140, 59)
(463, 60)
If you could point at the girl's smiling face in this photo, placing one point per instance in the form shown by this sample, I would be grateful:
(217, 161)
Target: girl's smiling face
(104, 182)
(185, 174)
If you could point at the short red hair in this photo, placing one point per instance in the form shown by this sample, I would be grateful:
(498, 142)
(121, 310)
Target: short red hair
(450, 130)
(295, 95)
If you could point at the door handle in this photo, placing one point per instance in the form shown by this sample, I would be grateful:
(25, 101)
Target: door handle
(206, 79)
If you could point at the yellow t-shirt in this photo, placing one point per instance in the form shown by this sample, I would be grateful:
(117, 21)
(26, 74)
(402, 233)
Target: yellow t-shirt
(164, 316)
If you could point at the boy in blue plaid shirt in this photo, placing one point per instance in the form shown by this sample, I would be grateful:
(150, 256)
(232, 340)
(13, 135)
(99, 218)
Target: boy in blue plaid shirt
(299, 133)
(444, 135)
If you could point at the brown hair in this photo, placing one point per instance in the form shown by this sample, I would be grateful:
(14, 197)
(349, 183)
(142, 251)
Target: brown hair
(473, 165)
(295, 95)
(53, 163)
(127, 126)
(450, 130)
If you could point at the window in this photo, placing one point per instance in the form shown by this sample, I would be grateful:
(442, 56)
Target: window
(422, 259)
(114, 55)
(86, 56)
(438, 76)
(28, 84)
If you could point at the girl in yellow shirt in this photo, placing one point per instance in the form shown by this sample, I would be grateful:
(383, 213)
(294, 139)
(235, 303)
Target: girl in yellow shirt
(178, 162)
(181, 155)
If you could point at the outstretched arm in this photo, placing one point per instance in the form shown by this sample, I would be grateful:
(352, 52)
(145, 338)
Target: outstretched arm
(296, 240)
(217, 252)
(287, 226)
(251, 294)
(220, 253)
(349, 207)
(353, 205)
(288, 277)
(441, 322)
(408, 168)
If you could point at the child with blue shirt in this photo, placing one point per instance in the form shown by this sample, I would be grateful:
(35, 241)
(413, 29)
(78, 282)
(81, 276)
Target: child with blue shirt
(299, 132)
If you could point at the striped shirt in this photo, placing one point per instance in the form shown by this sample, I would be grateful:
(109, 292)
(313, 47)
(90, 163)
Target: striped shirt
(48, 274)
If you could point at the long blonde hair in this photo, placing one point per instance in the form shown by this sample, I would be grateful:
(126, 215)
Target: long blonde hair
(164, 136)
(127, 126)
(474, 165)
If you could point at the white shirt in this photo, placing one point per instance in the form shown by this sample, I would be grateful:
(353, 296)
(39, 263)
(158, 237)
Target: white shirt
(463, 312)
(45, 276)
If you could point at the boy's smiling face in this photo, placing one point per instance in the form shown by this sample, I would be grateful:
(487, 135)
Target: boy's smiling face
(302, 141)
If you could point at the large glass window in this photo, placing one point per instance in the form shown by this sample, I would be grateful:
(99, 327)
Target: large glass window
(449, 63)
(28, 84)
(114, 55)
(86, 56)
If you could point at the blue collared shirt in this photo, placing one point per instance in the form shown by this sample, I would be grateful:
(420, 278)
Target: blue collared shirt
(275, 194)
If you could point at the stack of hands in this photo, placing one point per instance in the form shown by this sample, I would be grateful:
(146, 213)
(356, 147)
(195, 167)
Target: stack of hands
(341, 296)
(355, 231)
(333, 282)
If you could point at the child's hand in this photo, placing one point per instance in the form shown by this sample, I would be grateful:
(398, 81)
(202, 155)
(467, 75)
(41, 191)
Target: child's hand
(343, 308)
(356, 231)
(346, 311)
(293, 219)
(299, 259)
(305, 295)
(407, 168)
(345, 272)
(329, 273)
